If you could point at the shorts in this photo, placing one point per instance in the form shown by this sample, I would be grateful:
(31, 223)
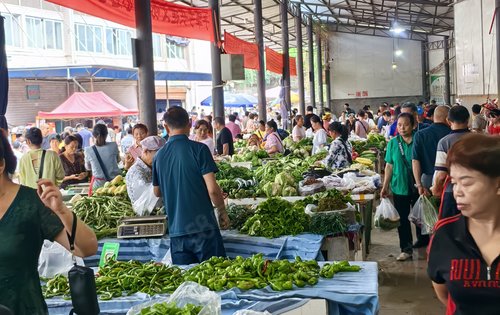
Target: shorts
(196, 248)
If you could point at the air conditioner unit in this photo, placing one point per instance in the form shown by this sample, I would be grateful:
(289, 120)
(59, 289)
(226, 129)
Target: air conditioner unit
(232, 67)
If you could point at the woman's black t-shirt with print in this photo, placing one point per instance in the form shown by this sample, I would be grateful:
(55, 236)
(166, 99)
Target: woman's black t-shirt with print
(456, 261)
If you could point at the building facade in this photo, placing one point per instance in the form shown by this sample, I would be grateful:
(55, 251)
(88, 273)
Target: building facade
(40, 34)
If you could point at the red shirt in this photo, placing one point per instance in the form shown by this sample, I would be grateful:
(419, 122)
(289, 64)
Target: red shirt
(494, 129)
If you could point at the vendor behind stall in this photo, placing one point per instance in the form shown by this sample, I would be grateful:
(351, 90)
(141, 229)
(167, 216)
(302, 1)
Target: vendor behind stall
(139, 176)
(139, 132)
(340, 152)
(73, 163)
(273, 143)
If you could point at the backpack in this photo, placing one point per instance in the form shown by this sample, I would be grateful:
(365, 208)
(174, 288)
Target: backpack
(283, 133)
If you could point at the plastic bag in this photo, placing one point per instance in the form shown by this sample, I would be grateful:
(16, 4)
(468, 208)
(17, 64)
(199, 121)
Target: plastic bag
(424, 215)
(54, 259)
(147, 202)
(188, 293)
(307, 190)
(386, 216)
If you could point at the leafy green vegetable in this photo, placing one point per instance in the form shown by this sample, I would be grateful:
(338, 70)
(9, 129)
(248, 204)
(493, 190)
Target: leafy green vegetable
(276, 217)
(238, 215)
(327, 224)
(226, 171)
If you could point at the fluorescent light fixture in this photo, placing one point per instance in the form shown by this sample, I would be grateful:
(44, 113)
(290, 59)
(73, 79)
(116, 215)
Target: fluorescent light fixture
(396, 28)
(398, 52)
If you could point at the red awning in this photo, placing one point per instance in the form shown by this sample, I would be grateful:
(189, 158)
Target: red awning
(88, 105)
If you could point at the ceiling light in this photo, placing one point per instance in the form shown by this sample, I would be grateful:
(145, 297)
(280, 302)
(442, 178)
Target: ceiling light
(398, 52)
(396, 28)
(394, 66)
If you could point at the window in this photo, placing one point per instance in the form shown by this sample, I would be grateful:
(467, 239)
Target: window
(43, 33)
(88, 38)
(12, 30)
(118, 41)
(175, 51)
(157, 45)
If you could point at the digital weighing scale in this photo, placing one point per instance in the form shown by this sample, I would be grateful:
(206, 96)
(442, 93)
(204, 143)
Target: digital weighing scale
(141, 227)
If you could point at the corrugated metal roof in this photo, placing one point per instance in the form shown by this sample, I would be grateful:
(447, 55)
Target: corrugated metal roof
(419, 18)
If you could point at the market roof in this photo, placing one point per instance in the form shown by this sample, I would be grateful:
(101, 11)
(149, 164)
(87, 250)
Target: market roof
(88, 105)
(369, 17)
(101, 72)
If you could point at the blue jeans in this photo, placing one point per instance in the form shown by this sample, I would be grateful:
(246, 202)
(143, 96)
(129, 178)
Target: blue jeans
(196, 248)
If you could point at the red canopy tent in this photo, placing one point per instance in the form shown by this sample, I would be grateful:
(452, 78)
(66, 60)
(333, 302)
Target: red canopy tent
(88, 105)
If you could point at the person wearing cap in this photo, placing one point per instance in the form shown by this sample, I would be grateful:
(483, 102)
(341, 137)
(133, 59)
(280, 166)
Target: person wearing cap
(30, 164)
(140, 175)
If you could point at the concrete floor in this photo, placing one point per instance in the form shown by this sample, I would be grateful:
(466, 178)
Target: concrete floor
(404, 287)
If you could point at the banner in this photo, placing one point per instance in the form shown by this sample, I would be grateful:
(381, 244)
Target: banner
(250, 51)
(166, 17)
(274, 62)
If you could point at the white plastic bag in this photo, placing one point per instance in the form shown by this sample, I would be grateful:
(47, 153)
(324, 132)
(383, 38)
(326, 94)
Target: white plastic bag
(188, 293)
(54, 259)
(424, 215)
(146, 203)
(386, 216)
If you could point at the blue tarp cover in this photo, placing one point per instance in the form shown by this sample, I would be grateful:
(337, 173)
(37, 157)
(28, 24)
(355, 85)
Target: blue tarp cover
(234, 100)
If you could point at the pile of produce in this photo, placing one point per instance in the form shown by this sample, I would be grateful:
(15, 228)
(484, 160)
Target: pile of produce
(250, 154)
(374, 140)
(238, 188)
(102, 213)
(171, 309)
(276, 217)
(118, 277)
(283, 185)
(301, 148)
(226, 171)
(238, 215)
(116, 187)
(332, 200)
(217, 273)
(328, 224)
(239, 144)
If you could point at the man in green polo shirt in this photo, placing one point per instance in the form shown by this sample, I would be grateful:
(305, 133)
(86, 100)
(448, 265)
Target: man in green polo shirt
(398, 176)
(184, 176)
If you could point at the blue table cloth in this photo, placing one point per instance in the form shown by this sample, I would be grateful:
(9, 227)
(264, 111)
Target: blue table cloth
(307, 246)
(346, 294)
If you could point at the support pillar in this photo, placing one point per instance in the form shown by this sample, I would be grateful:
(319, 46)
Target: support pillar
(327, 77)
(286, 60)
(497, 37)
(146, 73)
(425, 73)
(447, 93)
(300, 61)
(310, 35)
(217, 86)
(261, 73)
(319, 58)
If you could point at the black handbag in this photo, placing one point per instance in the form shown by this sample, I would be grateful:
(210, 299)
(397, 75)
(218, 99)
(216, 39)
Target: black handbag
(81, 283)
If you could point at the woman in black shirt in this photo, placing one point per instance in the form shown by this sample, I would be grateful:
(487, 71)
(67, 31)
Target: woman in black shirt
(464, 253)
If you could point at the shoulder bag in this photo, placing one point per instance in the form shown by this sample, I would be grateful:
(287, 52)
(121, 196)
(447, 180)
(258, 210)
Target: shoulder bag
(81, 283)
(412, 189)
(101, 164)
(42, 162)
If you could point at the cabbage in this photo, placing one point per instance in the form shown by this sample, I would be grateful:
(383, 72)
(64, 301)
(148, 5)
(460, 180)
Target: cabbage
(276, 190)
(285, 179)
(289, 191)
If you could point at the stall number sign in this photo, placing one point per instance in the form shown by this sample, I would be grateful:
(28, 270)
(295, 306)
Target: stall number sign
(33, 92)
(109, 251)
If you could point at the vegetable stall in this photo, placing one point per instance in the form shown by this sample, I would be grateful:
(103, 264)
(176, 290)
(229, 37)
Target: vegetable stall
(282, 210)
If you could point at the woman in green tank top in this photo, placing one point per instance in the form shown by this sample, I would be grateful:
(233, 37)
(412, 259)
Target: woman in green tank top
(27, 218)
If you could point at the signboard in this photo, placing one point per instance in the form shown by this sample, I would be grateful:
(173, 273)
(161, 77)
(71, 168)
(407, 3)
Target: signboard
(33, 92)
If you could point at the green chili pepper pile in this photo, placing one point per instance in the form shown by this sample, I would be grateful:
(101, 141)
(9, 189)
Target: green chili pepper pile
(329, 270)
(130, 277)
(276, 217)
(171, 309)
(102, 213)
(57, 286)
(217, 273)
